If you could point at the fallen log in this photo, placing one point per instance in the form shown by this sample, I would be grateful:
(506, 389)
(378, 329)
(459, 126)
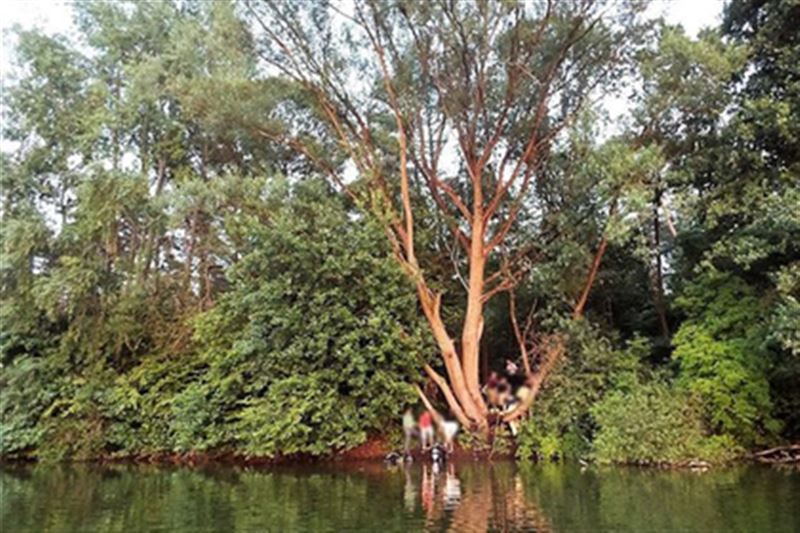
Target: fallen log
(779, 455)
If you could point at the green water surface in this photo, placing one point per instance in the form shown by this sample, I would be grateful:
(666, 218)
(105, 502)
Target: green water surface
(371, 497)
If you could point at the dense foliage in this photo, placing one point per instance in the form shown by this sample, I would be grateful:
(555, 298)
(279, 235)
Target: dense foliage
(172, 280)
(314, 344)
(718, 110)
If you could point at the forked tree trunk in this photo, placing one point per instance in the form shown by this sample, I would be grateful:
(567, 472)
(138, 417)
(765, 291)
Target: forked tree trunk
(464, 398)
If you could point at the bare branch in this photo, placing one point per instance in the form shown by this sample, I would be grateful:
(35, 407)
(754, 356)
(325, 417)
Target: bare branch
(518, 334)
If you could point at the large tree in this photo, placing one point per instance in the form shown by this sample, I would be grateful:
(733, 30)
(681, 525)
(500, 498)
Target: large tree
(455, 107)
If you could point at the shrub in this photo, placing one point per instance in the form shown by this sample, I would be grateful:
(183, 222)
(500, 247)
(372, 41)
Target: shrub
(560, 425)
(723, 357)
(653, 423)
(313, 346)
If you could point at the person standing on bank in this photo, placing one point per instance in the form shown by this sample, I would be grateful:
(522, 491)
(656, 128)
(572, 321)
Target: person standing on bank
(449, 429)
(426, 434)
(409, 428)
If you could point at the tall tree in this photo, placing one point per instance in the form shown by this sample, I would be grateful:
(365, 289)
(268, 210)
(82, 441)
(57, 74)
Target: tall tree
(454, 105)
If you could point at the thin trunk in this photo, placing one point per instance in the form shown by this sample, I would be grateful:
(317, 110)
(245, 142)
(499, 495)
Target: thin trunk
(522, 341)
(437, 416)
(187, 272)
(115, 145)
(554, 347)
(668, 217)
(581, 305)
(62, 205)
(658, 280)
(152, 236)
(204, 265)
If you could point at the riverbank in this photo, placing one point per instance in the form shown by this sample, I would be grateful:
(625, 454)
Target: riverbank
(376, 450)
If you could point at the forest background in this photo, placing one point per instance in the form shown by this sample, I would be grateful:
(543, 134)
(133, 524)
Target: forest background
(194, 261)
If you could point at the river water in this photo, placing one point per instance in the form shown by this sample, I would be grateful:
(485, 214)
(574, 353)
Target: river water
(371, 497)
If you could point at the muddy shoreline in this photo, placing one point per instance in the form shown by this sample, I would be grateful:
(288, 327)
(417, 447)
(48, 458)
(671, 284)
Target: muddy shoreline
(376, 450)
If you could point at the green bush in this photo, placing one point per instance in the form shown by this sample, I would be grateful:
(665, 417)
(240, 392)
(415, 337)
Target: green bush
(654, 423)
(560, 424)
(723, 358)
(649, 424)
(22, 401)
(301, 414)
(311, 348)
(314, 345)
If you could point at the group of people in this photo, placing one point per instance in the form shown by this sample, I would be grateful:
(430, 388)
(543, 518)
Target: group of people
(504, 393)
(425, 429)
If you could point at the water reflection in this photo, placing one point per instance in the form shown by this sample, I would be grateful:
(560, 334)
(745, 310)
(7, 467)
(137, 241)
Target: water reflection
(418, 497)
(491, 497)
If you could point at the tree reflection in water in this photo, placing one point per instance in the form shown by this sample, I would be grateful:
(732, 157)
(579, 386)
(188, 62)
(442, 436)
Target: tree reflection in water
(490, 498)
(371, 497)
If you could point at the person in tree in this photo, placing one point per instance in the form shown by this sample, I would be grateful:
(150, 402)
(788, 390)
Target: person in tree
(511, 367)
(504, 394)
(514, 376)
(409, 428)
(490, 389)
(426, 430)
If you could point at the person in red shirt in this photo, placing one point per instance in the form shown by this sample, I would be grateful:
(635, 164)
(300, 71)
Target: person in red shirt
(426, 433)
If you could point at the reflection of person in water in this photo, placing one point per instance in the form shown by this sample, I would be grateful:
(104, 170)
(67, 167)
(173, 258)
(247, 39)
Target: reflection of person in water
(409, 491)
(427, 491)
(452, 488)
(481, 501)
(440, 490)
